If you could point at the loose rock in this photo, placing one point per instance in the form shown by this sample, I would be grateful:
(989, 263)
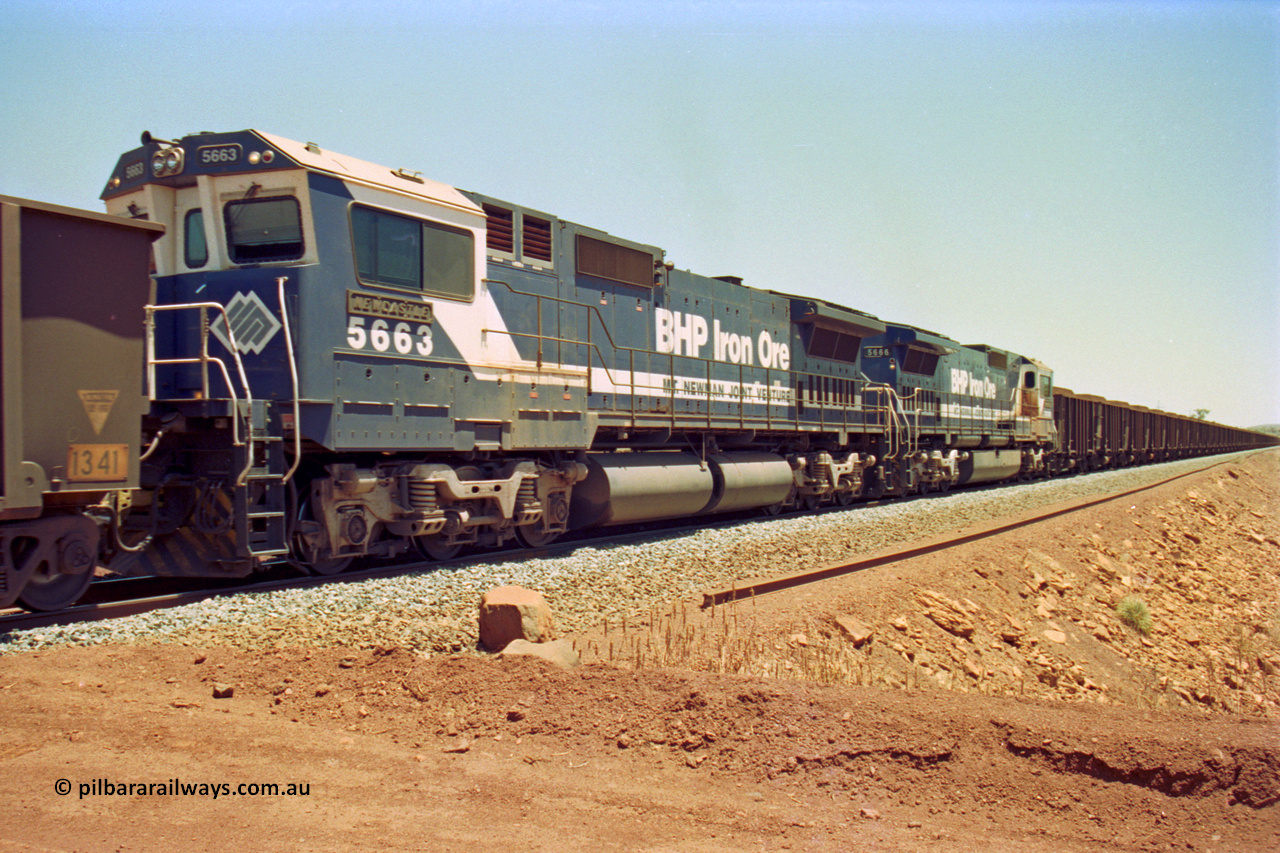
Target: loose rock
(558, 652)
(854, 630)
(510, 613)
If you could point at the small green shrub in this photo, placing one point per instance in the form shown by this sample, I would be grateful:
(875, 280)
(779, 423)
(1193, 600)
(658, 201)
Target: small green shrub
(1133, 611)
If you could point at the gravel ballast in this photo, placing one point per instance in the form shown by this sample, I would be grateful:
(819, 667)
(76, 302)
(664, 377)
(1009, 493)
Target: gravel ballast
(436, 610)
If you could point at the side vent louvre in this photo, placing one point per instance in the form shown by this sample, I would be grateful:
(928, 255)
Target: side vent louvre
(499, 229)
(920, 362)
(613, 262)
(537, 238)
(828, 343)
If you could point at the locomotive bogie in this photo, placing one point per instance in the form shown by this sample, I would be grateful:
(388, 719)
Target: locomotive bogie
(383, 510)
(822, 477)
(937, 469)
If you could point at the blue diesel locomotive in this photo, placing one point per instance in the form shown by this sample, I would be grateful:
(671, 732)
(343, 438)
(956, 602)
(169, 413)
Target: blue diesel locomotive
(347, 359)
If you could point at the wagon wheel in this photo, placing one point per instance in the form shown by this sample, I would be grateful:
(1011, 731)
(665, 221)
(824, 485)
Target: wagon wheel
(436, 547)
(317, 561)
(844, 497)
(772, 509)
(306, 554)
(47, 590)
(534, 536)
(810, 502)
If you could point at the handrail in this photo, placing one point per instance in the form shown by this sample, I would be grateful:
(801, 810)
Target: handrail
(899, 419)
(708, 395)
(293, 374)
(204, 360)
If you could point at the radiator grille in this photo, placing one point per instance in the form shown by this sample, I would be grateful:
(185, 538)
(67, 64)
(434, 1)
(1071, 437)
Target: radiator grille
(537, 238)
(500, 230)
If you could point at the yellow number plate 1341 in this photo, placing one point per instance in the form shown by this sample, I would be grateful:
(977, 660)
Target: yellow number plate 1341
(100, 462)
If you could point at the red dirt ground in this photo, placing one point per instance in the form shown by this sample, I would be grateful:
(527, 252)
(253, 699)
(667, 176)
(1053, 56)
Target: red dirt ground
(999, 704)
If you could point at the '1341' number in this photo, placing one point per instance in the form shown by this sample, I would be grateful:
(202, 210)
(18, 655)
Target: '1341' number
(382, 337)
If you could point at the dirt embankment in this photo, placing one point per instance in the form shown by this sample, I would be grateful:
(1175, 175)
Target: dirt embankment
(998, 701)
(1036, 613)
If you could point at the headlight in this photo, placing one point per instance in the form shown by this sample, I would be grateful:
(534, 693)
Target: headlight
(167, 161)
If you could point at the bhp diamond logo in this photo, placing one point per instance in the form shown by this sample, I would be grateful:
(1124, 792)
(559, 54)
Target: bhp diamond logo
(251, 321)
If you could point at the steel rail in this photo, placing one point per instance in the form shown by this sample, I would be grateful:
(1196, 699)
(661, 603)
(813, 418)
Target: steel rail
(98, 611)
(777, 583)
(16, 620)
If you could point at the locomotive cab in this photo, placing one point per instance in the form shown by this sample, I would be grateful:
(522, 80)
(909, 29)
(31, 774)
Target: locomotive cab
(1035, 400)
(326, 363)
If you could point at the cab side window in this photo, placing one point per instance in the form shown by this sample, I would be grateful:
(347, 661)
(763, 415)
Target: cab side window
(195, 250)
(401, 251)
(388, 248)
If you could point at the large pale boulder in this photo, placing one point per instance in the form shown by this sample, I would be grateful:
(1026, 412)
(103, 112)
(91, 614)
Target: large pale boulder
(514, 613)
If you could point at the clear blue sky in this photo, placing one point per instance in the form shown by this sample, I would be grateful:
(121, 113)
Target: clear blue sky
(1091, 184)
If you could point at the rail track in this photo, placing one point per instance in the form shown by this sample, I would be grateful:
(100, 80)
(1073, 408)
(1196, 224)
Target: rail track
(117, 598)
(931, 545)
(112, 598)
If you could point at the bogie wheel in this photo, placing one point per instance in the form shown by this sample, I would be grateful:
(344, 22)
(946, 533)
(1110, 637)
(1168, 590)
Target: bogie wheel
(844, 497)
(436, 547)
(331, 566)
(534, 536)
(51, 591)
(312, 559)
(772, 509)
